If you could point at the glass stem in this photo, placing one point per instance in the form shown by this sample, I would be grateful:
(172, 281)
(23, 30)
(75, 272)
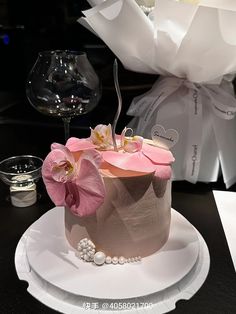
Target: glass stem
(66, 122)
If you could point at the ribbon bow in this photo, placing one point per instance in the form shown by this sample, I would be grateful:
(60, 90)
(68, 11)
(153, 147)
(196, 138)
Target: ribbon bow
(218, 98)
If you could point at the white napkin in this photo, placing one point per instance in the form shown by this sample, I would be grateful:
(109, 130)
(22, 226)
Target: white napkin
(226, 204)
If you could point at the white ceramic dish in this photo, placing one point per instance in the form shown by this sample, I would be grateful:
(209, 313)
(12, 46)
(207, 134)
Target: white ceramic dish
(60, 280)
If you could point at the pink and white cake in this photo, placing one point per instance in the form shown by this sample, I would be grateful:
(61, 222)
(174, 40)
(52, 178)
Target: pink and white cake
(116, 194)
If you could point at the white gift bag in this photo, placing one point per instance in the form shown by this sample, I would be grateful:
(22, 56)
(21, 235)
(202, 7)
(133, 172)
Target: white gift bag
(192, 45)
(206, 126)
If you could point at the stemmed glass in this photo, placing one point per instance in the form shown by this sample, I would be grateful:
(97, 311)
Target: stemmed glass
(63, 84)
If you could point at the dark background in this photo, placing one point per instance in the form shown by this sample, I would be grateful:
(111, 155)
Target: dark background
(28, 27)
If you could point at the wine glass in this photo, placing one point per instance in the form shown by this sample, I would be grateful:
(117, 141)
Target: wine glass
(63, 83)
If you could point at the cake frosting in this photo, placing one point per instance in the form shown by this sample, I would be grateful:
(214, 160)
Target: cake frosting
(118, 195)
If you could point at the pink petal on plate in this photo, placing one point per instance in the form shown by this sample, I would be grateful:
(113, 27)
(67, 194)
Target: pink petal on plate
(129, 161)
(91, 190)
(75, 144)
(158, 155)
(163, 172)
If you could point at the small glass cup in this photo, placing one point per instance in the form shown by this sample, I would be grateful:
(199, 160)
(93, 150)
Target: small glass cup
(21, 173)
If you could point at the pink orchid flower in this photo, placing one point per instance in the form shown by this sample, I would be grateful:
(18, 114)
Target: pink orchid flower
(74, 182)
(131, 144)
(148, 159)
(101, 136)
(139, 156)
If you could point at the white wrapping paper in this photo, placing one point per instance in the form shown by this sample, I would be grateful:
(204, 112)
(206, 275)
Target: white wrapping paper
(192, 45)
(203, 115)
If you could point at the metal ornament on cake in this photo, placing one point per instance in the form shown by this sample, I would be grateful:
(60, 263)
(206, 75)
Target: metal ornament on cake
(117, 88)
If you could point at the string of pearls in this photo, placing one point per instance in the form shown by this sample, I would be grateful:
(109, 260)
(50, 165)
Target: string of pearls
(87, 252)
(146, 9)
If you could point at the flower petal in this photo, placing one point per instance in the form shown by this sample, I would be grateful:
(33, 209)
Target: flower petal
(56, 156)
(158, 155)
(163, 172)
(56, 190)
(72, 197)
(91, 190)
(101, 136)
(129, 161)
(93, 156)
(133, 144)
(75, 144)
(57, 146)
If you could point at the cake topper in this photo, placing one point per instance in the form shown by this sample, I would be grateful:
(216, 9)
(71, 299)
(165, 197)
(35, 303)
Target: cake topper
(117, 87)
(164, 138)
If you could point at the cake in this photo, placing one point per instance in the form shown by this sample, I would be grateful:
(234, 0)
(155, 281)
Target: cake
(116, 194)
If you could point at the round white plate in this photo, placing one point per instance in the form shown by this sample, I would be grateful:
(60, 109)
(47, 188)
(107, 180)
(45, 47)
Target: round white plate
(60, 280)
(50, 256)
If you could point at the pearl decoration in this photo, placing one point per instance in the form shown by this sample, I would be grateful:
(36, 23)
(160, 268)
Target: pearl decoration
(121, 260)
(108, 260)
(87, 252)
(115, 260)
(99, 258)
(90, 254)
(86, 257)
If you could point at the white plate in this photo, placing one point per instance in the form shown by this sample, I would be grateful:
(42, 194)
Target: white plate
(57, 278)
